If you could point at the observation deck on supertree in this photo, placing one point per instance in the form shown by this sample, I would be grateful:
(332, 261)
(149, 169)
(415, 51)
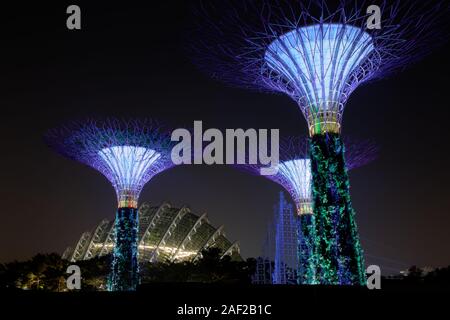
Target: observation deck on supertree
(294, 175)
(317, 52)
(128, 153)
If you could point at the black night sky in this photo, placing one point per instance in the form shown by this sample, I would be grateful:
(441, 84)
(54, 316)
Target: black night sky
(129, 60)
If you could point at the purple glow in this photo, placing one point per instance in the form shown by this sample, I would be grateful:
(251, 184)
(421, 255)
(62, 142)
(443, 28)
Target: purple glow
(318, 64)
(127, 153)
(294, 171)
(315, 52)
(295, 176)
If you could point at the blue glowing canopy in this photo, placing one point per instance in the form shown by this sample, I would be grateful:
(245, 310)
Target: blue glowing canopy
(295, 176)
(319, 65)
(128, 168)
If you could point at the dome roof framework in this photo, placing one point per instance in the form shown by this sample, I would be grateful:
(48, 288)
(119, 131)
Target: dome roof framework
(166, 234)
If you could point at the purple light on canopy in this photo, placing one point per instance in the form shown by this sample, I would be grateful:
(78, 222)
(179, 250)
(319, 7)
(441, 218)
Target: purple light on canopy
(128, 166)
(295, 176)
(314, 51)
(294, 169)
(317, 64)
(127, 153)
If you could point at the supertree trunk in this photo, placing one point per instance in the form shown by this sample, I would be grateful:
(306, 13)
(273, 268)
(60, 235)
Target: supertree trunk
(306, 256)
(337, 247)
(124, 271)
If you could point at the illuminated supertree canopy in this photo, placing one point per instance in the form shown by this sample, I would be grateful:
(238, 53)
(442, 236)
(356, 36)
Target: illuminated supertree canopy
(128, 153)
(294, 169)
(318, 52)
(314, 51)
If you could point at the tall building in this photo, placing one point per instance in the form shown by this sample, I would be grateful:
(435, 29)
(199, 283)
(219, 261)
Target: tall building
(279, 261)
(286, 242)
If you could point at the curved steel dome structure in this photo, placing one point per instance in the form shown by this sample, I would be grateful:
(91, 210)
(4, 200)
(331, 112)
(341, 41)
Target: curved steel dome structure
(165, 234)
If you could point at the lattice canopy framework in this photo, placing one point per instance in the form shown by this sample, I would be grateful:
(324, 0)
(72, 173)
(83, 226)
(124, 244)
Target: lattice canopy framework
(318, 64)
(314, 51)
(294, 169)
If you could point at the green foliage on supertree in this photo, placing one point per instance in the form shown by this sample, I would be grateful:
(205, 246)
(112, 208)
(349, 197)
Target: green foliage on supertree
(124, 269)
(337, 247)
(306, 253)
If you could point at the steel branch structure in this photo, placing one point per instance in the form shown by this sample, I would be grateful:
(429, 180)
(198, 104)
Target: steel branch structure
(128, 153)
(318, 53)
(314, 51)
(294, 168)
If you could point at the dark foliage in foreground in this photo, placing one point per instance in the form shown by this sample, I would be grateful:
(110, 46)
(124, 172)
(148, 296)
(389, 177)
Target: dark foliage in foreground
(439, 276)
(48, 272)
(209, 269)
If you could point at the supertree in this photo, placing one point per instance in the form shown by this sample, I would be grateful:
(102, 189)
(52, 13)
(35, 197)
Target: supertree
(128, 153)
(317, 52)
(294, 175)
